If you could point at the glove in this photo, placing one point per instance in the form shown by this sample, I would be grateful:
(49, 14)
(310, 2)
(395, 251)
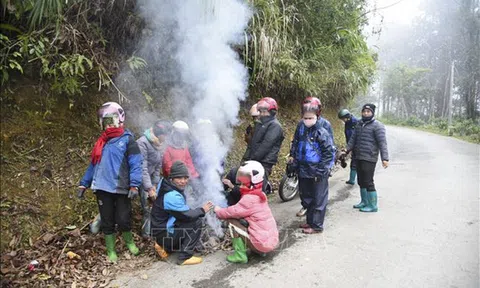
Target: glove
(133, 192)
(81, 192)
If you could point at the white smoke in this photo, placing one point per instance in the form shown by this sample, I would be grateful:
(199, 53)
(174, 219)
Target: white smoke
(193, 40)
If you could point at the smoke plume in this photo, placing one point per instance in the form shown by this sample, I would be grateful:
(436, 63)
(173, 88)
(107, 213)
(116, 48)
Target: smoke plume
(189, 50)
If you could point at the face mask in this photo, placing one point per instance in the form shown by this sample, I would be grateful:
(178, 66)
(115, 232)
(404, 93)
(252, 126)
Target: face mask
(243, 180)
(310, 122)
(366, 119)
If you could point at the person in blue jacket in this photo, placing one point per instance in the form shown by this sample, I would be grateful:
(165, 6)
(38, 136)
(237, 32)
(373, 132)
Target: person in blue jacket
(311, 154)
(350, 123)
(325, 124)
(176, 227)
(114, 174)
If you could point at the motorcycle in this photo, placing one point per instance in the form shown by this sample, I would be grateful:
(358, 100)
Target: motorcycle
(288, 187)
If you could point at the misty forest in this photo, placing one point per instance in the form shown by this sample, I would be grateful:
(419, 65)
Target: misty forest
(196, 60)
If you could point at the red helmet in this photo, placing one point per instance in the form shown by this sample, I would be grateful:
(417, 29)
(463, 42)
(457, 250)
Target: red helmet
(312, 104)
(267, 103)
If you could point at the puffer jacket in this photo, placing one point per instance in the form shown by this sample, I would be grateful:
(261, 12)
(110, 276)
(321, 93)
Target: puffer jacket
(152, 163)
(312, 151)
(170, 210)
(119, 169)
(368, 140)
(266, 142)
(262, 227)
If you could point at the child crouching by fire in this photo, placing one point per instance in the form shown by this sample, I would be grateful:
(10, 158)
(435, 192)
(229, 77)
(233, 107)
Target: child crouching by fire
(251, 222)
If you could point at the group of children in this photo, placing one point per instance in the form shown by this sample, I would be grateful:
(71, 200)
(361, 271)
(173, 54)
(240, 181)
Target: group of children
(159, 167)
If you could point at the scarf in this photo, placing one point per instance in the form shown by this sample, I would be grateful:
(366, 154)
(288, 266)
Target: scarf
(108, 134)
(152, 138)
(256, 190)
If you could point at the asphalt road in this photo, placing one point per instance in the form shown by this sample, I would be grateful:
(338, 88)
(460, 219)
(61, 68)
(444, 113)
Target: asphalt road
(426, 233)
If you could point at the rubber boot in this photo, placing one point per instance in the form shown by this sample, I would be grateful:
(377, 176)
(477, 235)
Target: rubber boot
(128, 238)
(353, 176)
(161, 252)
(110, 244)
(364, 201)
(372, 202)
(240, 255)
(192, 261)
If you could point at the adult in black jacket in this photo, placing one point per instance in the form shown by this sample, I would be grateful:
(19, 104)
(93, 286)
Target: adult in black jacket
(232, 189)
(267, 137)
(176, 227)
(368, 140)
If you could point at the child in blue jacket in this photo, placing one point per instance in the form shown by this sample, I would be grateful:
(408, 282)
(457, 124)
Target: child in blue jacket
(114, 174)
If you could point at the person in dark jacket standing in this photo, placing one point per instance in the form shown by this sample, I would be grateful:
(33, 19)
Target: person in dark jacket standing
(324, 123)
(350, 123)
(152, 146)
(368, 140)
(311, 154)
(114, 174)
(267, 137)
(176, 227)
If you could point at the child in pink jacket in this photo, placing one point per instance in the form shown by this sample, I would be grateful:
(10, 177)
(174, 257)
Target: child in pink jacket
(261, 234)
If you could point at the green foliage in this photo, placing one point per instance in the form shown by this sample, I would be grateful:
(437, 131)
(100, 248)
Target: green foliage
(406, 91)
(66, 71)
(309, 47)
(136, 63)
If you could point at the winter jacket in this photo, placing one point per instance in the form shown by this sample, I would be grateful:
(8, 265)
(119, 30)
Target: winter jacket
(368, 140)
(152, 163)
(170, 210)
(327, 126)
(119, 169)
(173, 154)
(266, 142)
(312, 151)
(350, 127)
(262, 227)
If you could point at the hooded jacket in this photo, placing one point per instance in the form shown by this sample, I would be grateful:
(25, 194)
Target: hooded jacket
(170, 210)
(266, 142)
(119, 168)
(152, 162)
(262, 227)
(312, 150)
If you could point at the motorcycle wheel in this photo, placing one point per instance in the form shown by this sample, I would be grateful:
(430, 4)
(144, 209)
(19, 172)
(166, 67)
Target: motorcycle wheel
(288, 188)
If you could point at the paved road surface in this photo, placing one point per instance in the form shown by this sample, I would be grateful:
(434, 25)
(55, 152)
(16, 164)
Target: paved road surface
(426, 233)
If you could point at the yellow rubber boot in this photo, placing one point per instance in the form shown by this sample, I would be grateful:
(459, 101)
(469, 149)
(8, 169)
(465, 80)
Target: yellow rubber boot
(192, 261)
(161, 252)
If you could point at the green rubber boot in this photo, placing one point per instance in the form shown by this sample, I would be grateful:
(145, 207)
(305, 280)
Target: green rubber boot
(353, 176)
(364, 201)
(240, 255)
(372, 202)
(128, 238)
(110, 244)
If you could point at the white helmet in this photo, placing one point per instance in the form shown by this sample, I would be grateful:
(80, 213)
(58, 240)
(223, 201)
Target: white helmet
(253, 111)
(180, 126)
(253, 169)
